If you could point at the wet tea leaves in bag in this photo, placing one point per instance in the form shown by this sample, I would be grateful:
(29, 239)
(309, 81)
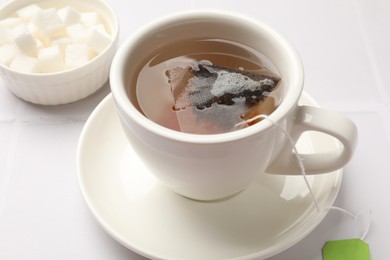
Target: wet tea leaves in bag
(212, 99)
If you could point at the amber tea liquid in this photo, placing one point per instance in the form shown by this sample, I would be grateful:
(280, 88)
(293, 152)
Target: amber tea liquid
(156, 98)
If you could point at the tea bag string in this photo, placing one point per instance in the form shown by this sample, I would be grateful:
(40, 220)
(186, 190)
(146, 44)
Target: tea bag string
(304, 175)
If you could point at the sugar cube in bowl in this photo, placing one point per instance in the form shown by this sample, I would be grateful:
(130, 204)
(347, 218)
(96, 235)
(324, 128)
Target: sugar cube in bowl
(56, 51)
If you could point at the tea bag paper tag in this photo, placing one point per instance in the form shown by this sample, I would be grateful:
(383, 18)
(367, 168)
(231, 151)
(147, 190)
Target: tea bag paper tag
(347, 249)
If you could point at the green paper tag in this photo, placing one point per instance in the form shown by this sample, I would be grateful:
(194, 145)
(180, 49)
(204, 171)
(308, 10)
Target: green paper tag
(348, 249)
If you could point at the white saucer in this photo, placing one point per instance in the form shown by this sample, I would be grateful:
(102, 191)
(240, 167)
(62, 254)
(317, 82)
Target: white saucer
(271, 215)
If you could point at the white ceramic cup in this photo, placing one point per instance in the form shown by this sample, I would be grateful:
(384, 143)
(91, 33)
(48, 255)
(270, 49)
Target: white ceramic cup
(208, 167)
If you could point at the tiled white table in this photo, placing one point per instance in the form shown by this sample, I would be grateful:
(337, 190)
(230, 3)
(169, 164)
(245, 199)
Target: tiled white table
(345, 47)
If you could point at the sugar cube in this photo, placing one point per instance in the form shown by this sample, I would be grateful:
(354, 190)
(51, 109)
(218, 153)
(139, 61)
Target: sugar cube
(5, 36)
(25, 40)
(49, 23)
(89, 19)
(23, 63)
(77, 33)
(38, 35)
(10, 22)
(99, 27)
(61, 42)
(37, 38)
(28, 12)
(76, 55)
(50, 59)
(7, 53)
(69, 15)
(98, 41)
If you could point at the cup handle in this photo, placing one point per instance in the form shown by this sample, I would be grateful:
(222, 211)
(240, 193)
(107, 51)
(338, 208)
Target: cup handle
(317, 119)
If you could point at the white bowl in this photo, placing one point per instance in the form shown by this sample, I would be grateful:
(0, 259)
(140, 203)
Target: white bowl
(69, 85)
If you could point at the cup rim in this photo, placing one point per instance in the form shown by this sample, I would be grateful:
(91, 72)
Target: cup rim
(123, 103)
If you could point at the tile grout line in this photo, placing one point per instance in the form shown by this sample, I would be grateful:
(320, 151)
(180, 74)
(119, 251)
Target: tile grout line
(385, 98)
(10, 156)
(385, 116)
(371, 57)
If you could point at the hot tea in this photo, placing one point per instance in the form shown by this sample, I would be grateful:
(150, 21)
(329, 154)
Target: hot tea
(206, 86)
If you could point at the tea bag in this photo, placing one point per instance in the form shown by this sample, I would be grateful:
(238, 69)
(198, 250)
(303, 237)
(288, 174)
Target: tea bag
(211, 99)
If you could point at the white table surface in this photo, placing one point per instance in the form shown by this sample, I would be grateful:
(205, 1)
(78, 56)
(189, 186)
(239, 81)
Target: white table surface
(345, 48)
